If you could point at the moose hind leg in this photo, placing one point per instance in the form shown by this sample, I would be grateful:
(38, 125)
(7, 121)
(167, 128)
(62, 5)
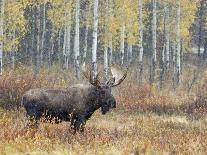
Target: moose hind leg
(31, 123)
(34, 113)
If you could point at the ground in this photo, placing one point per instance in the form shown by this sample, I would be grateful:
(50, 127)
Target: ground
(118, 132)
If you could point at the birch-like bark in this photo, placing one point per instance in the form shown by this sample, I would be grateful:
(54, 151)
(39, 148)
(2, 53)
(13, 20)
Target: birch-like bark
(163, 62)
(76, 41)
(43, 34)
(140, 8)
(59, 46)
(32, 49)
(154, 41)
(129, 54)
(13, 52)
(67, 49)
(38, 40)
(105, 63)
(85, 44)
(110, 49)
(205, 49)
(162, 66)
(51, 51)
(200, 26)
(122, 43)
(174, 52)
(167, 37)
(154, 31)
(64, 41)
(64, 46)
(178, 46)
(106, 41)
(95, 37)
(1, 35)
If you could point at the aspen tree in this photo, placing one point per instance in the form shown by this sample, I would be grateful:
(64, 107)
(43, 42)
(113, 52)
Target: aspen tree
(1, 36)
(95, 37)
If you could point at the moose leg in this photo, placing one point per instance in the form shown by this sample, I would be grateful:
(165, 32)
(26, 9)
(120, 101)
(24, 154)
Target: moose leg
(79, 124)
(72, 121)
(34, 114)
(31, 123)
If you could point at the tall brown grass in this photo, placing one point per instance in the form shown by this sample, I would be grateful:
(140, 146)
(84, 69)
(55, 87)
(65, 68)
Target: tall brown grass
(146, 119)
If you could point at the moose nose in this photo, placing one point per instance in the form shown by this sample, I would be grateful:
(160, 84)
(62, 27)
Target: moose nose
(114, 104)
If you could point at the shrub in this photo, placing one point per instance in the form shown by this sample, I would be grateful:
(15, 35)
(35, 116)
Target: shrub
(14, 83)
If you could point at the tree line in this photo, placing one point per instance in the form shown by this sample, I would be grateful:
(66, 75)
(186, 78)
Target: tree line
(71, 32)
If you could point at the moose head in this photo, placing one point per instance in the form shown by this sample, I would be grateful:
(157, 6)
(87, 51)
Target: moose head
(103, 89)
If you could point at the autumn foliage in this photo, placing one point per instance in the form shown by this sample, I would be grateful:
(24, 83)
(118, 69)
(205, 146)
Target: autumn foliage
(146, 120)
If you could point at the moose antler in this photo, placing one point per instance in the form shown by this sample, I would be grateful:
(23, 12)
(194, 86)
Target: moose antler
(87, 74)
(120, 80)
(116, 75)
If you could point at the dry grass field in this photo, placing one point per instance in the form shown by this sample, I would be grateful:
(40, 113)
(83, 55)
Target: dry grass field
(147, 120)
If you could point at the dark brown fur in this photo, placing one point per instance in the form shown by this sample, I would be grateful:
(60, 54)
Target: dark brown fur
(75, 104)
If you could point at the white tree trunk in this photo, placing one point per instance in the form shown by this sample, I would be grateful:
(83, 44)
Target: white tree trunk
(174, 52)
(38, 41)
(110, 57)
(163, 53)
(85, 49)
(154, 42)
(67, 49)
(178, 62)
(51, 51)
(110, 49)
(76, 42)
(154, 31)
(1, 36)
(66, 45)
(95, 37)
(167, 31)
(140, 31)
(162, 66)
(106, 62)
(122, 43)
(64, 41)
(59, 46)
(129, 54)
(13, 52)
(140, 24)
(32, 41)
(85, 44)
(43, 33)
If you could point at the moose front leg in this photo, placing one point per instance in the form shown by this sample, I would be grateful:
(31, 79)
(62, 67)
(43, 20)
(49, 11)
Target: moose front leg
(79, 123)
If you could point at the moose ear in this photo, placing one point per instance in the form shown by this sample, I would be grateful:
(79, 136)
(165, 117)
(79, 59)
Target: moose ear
(111, 81)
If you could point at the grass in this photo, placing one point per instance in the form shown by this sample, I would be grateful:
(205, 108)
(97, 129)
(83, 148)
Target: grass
(147, 120)
(118, 132)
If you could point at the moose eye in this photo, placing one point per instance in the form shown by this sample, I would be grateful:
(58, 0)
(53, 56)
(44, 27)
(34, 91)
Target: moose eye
(103, 93)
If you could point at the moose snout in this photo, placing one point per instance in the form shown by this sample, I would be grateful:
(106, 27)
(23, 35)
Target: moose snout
(112, 102)
(113, 105)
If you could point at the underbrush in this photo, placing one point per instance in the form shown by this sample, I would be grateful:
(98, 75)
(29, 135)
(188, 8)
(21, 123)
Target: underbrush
(115, 133)
(130, 95)
(13, 83)
(147, 120)
(168, 100)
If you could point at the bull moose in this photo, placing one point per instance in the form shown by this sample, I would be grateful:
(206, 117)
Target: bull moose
(75, 104)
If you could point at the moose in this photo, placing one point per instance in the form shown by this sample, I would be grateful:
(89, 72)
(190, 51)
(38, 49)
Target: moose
(75, 104)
